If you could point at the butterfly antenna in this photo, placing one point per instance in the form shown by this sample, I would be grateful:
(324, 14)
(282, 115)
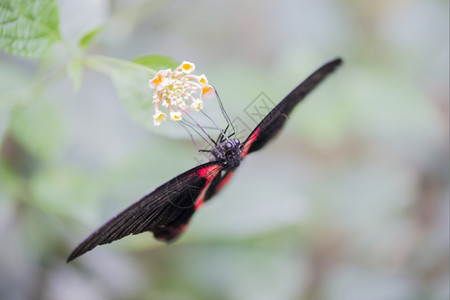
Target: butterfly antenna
(221, 137)
(201, 128)
(214, 123)
(212, 145)
(222, 109)
(190, 135)
(206, 127)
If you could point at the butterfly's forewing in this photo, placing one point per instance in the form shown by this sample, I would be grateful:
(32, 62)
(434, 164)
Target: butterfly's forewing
(165, 211)
(272, 123)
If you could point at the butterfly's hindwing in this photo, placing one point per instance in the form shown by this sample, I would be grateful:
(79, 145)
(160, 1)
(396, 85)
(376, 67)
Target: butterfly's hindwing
(218, 183)
(165, 211)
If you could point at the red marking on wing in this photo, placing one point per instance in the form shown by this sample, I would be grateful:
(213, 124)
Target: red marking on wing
(224, 181)
(199, 202)
(209, 173)
(249, 143)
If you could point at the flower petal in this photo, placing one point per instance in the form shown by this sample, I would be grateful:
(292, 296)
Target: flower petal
(208, 92)
(187, 67)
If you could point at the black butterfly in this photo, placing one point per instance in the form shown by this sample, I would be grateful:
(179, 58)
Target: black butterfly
(167, 210)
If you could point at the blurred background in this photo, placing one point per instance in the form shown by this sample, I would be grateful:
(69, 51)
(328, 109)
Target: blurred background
(351, 201)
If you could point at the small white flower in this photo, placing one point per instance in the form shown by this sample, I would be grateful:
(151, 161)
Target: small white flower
(175, 115)
(203, 80)
(187, 67)
(158, 117)
(158, 80)
(197, 105)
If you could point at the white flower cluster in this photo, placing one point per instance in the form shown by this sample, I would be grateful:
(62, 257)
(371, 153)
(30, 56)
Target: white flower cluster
(174, 88)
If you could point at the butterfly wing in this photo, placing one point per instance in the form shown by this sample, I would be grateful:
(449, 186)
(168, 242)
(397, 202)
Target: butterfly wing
(274, 121)
(165, 211)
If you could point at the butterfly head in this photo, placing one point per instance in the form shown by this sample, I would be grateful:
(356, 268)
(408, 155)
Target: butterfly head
(229, 153)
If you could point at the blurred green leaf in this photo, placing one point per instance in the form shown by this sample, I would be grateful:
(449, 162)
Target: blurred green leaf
(157, 62)
(38, 128)
(75, 72)
(131, 79)
(28, 28)
(89, 37)
(66, 191)
(136, 96)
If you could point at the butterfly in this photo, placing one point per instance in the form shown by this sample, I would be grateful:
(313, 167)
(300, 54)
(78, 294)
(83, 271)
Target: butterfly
(167, 210)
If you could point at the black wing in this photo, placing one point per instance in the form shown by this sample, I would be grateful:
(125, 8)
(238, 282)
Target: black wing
(218, 183)
(165, 211)
(273, 122)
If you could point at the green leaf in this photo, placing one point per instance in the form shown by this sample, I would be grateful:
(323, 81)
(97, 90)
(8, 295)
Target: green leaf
(131, 81)
(28, 28)
(87, 39)
(136, 97)
(157, 62)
